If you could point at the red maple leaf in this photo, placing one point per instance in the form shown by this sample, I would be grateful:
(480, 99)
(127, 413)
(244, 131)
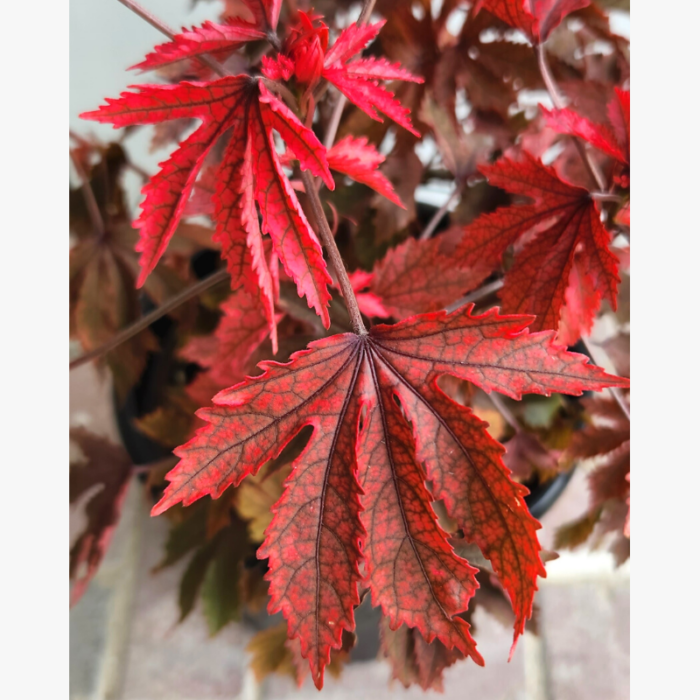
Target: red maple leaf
(415, 277)
(536, 18)
(250, 172)
(570, 249)
(360, 160)
(226, 354)
(359, 79)
(613, 140)
(357, 493)
(217, 40)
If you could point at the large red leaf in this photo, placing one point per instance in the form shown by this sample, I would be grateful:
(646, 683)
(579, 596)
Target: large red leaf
(567, 231)
(536, 18)
(358, 392)
(245, 107)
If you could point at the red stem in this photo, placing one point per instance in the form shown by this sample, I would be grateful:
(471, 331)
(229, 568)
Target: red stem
(437, 217)
(358, 325)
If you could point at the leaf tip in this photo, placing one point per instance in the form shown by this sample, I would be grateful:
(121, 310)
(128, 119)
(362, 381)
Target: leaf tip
(160, 507)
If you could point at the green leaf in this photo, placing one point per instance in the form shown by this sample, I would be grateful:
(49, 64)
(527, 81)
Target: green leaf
(221, 595)
(193, 578)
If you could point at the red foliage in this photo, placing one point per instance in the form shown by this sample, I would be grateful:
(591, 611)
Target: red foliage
(413, 660)
(399, 476)
(358, 79)
(420, 276)
(360, 161)
(570, 248)
(250, 171)
(371, 468)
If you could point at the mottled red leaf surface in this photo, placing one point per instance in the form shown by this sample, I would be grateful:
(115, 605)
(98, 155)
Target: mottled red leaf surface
(360, 160)
(580, 307)
(418, 276)
(536, 18)
(107, 467)
(250, 170)
(357, 492)
(561, 245)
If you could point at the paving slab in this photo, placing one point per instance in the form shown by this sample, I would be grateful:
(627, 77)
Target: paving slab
(498, 680)
(171, 661)
(586, 640)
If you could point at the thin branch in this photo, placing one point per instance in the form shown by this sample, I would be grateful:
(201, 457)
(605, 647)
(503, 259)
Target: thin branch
(165, 29)
(324, 229)
(617, 395)
(606, 197)
(509, 417)
(90, 201)
(321, 222)
(560, 103)
(283, 91)
(437, 217)
(367, 7)
(77, 137)
(138, 170)
(145, 321)
(476, 295)
(334, 123)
